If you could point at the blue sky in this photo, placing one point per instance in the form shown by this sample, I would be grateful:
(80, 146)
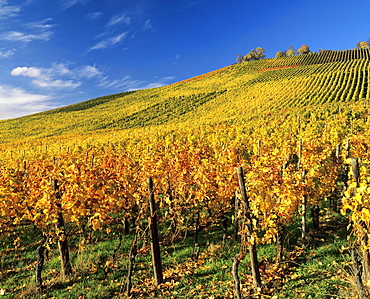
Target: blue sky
(59, 52)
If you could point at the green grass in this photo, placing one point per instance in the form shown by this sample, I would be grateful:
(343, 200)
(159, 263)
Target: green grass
(316, 271)
(321, 270)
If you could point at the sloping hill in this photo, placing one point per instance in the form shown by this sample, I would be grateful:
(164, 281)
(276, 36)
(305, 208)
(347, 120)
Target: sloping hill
(239, 91)
(297, 128)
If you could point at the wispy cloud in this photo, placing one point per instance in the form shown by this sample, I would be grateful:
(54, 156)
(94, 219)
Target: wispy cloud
(94, 15)
(127, 83)
(159, 82)
(6, 53)
(191, 4)
(8, 11)
(24, 37)
(41, 25)
(16, 102)
(109, 42)
(111, 36)
(177, 57)
(121, 18)
(37, 31)
(87, 71)
(147, 25)
(58, 76)
(69, 3)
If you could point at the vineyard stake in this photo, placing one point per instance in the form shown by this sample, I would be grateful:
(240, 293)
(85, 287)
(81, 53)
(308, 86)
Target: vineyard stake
(132, 256)
(156, 255)
(364, 240)
(300, 146)
(252, 247)
(357, 269)
(40, 254)
(337, 151)
(355, 171)
(235, 269)
(348, 148)
(66, 268)
(236, 217)
(304, 207)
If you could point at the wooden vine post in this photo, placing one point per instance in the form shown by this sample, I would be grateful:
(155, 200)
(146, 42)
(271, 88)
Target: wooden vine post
(196, 246)
(40, 254)
(156, 255)
(235, 272)
(132, 257)
(292, 159)
(249, 224)
(334, 198)
(236, 216)
(356, 261)
(337, 151)
(304, 212)
(300, 146)
(365, 252)
(355, 170)
(361, 266)
(66, 268)
(357, 272)
(304, 195)
(348, 148)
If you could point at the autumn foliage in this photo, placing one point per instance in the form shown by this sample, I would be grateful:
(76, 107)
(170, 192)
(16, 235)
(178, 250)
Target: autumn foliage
(283, 130)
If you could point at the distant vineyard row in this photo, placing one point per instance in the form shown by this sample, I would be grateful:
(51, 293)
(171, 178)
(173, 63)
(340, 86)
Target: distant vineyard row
(234, 93)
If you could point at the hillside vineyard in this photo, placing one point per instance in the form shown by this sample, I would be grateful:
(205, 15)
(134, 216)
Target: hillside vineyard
(299, 127)
(237, 92)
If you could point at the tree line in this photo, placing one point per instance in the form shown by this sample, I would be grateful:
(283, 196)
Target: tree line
(259, 52)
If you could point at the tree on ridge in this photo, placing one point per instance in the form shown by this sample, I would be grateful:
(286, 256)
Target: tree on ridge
(362, 45)
(291, 51)
(304, 49)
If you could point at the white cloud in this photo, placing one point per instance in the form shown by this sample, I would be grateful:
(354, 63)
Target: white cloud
(16, 102)
(109, 42)
(119, 19)
(69, 3)
(8, 11)
(60, 84)
(127, 83)
(159, 83)
(25, 37)
(41, 25)
(147, 25)
(88, 71)
(94, 15)
(32, 72)
(36, 31)
(57, 76)
(58, 69)
(6, 53)
(191, 4)
(107, 38)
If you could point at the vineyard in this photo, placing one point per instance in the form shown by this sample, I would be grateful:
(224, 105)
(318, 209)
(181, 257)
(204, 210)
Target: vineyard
(232, 182)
